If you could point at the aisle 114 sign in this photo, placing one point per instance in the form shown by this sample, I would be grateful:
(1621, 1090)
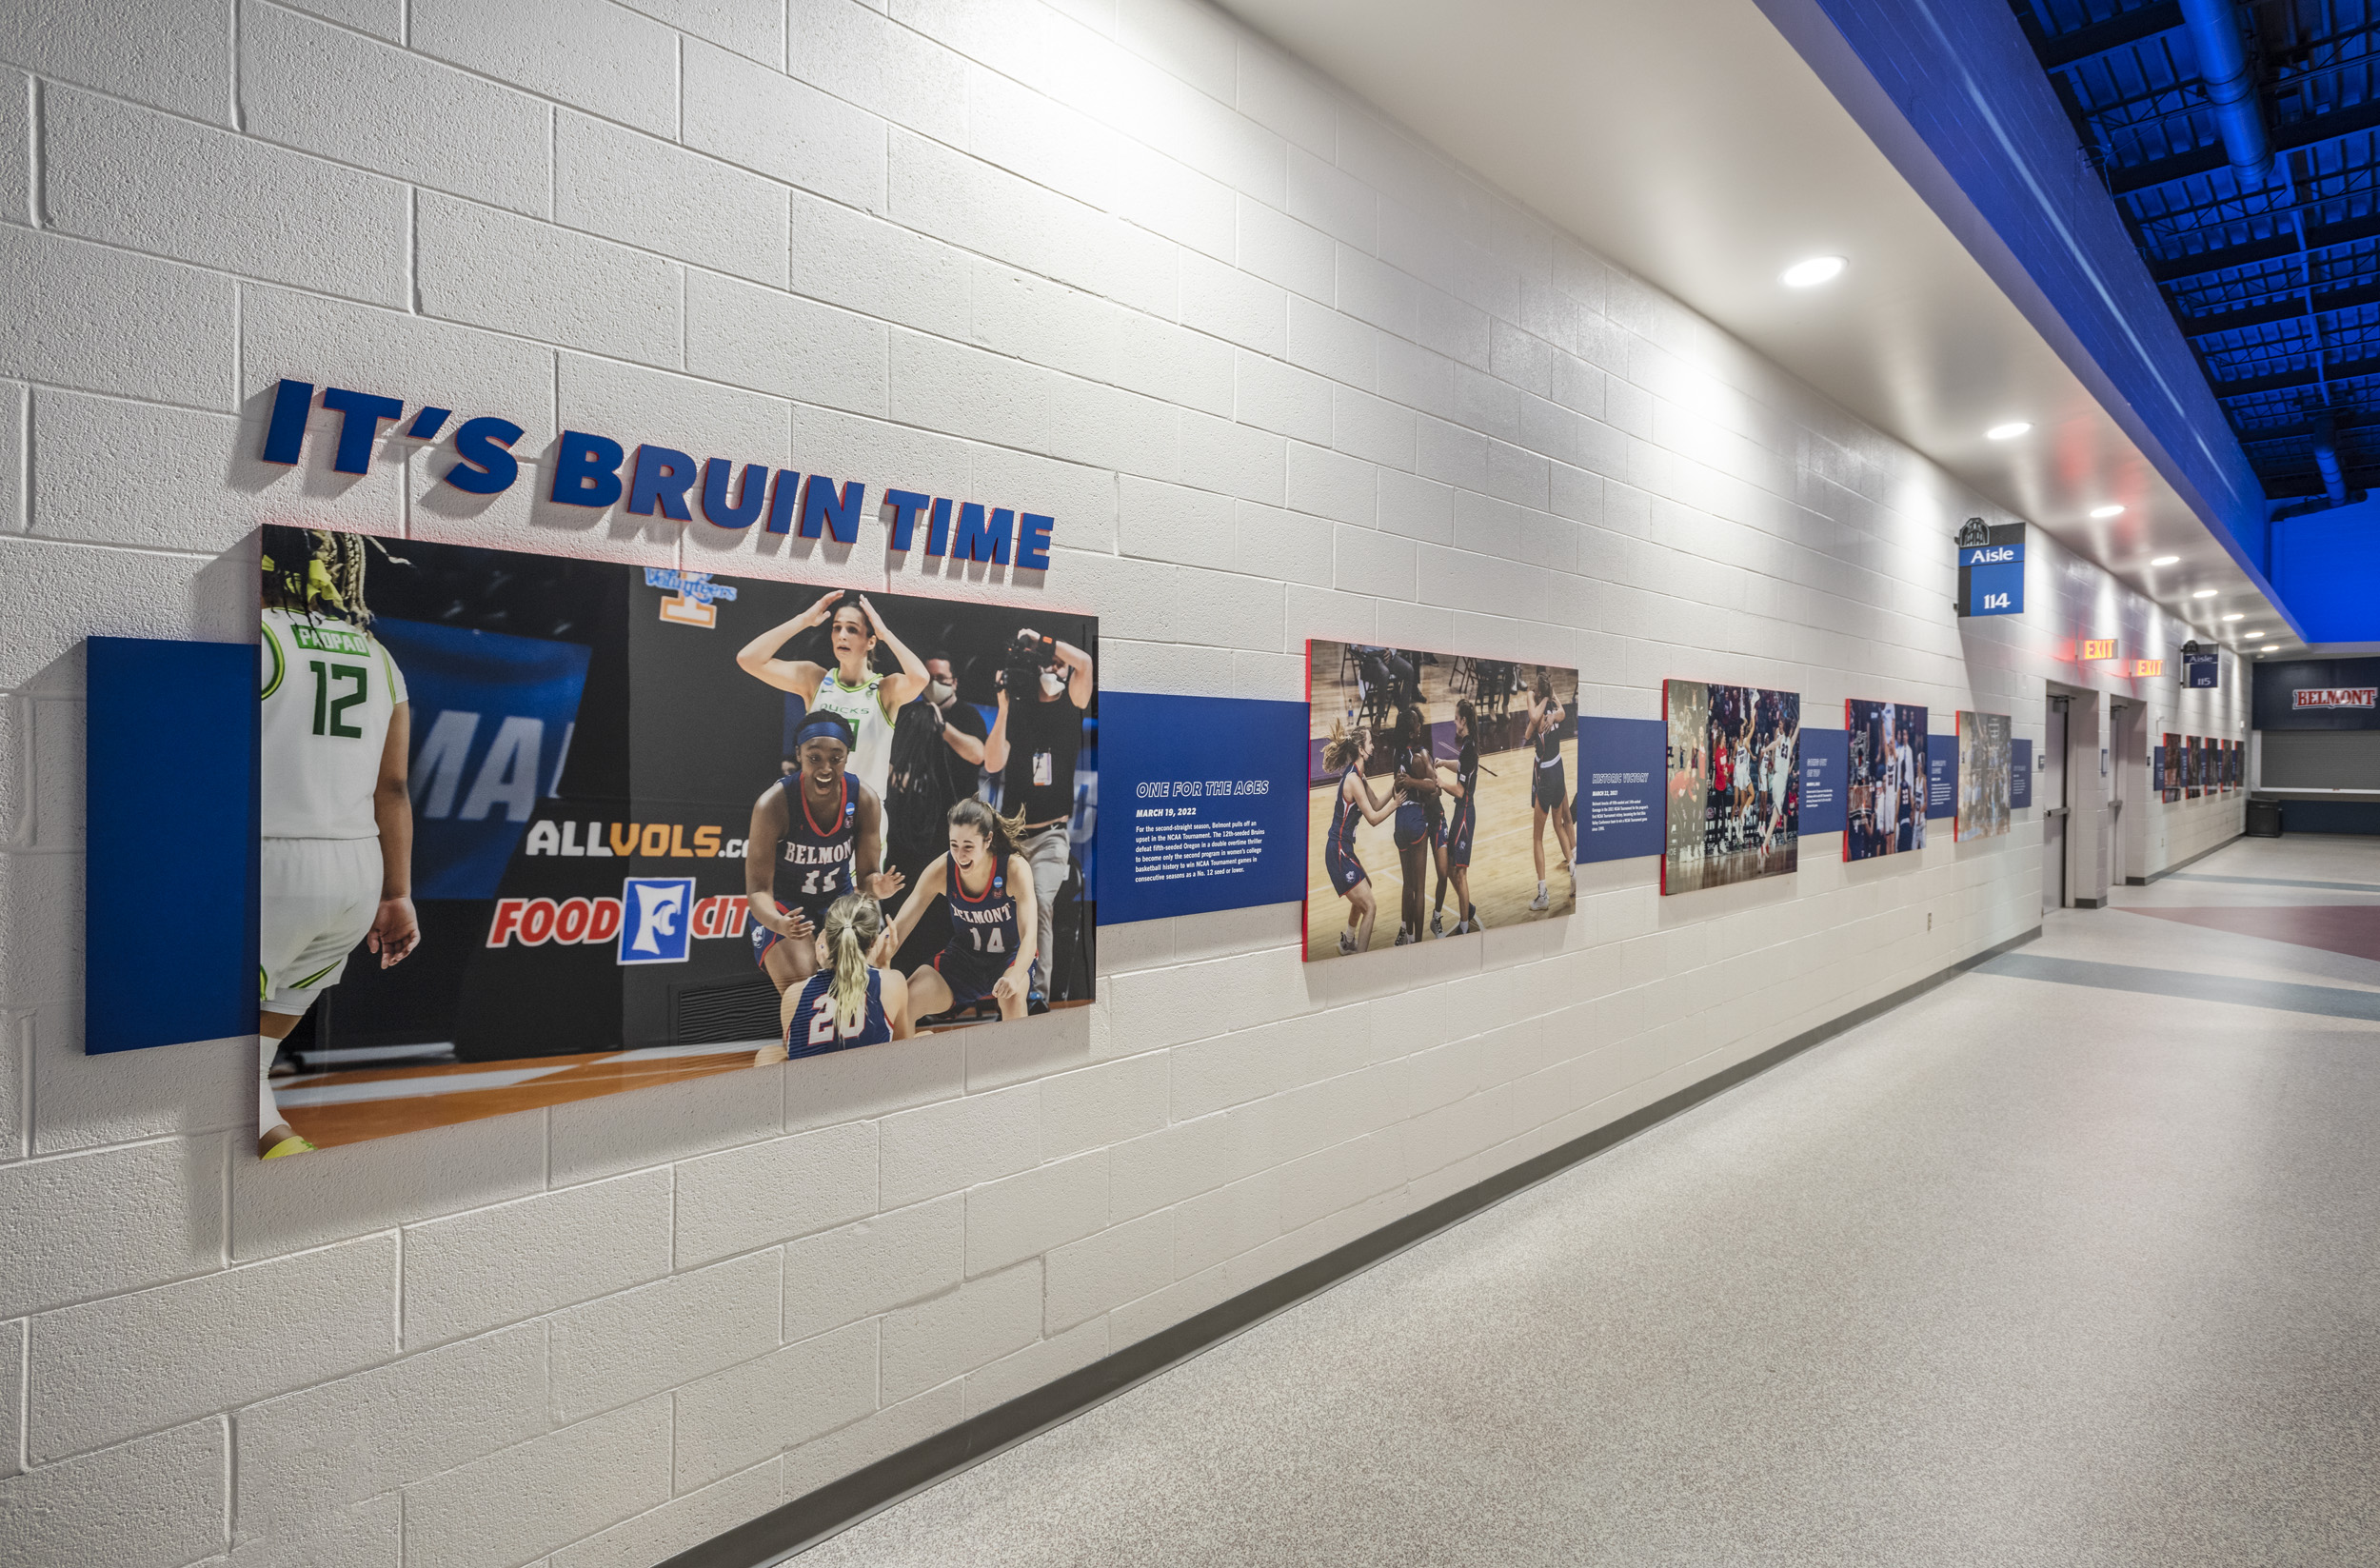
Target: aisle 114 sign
(1991, 568)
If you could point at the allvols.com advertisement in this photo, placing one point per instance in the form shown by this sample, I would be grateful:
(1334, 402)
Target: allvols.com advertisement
(537, 829)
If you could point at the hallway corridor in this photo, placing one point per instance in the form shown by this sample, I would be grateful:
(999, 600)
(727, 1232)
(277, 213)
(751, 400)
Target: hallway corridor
(2069, 1260)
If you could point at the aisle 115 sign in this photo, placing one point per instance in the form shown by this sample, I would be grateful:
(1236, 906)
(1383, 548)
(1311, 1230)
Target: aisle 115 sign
(1991, 568)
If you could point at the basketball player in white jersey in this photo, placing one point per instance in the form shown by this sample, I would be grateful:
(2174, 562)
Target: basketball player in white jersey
(868, 701)
(337, 824)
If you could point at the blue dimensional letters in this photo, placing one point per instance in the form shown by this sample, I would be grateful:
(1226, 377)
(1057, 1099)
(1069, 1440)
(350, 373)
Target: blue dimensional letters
(487, 442)
(587, 469)
(589, 472)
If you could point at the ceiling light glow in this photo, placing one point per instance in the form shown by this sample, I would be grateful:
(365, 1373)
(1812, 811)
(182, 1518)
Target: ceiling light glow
(2253, 635)
(2204, 593)
(2008, 431)
(2112, 508)
(2235, 616)
(2163, 560)
(1809, 274)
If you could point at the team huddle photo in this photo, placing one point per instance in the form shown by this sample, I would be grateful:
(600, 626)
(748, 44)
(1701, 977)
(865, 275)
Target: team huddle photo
(1441, 796)
(1734, 791)
(834, 818)
(1887, 778)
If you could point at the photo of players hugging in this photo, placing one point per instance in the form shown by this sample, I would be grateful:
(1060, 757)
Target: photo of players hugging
(1431, 774)
(536, 829)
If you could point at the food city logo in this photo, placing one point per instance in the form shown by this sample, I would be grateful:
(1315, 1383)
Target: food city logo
(655, 920)
(587, 471)
(2334, 696)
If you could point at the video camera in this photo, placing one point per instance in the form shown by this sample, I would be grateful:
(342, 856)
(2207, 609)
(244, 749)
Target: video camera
(1022, 663)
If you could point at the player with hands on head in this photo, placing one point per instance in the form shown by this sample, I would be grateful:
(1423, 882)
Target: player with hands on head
(1348, 753)
(868, 701)
(852, 999)
(817, 834)
(1036, 739)
(336, 856)
(992, 929)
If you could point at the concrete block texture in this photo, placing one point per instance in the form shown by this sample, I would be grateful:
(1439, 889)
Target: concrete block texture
(1278, 371)
(110, 1369)
(154, 183)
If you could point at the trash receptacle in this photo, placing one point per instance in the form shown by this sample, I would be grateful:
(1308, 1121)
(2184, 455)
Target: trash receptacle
(2264, 819)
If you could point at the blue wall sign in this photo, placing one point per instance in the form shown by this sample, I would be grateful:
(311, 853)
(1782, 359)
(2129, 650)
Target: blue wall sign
(1941, 775)
(1992, 576)
(1619, 810)
(2019, 774)
(1825, 769)
(2202, 670)
(1210, 793)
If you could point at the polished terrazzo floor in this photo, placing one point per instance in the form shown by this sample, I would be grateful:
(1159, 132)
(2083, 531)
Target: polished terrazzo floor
(2064, 1262)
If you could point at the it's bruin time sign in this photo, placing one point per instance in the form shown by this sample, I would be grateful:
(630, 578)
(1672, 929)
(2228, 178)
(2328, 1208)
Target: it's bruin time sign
(587, 471)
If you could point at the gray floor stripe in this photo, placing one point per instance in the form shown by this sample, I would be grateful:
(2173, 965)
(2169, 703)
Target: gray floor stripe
(2281, 995)
(2276, 882)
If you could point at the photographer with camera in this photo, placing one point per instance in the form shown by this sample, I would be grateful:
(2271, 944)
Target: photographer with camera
(1045, 686)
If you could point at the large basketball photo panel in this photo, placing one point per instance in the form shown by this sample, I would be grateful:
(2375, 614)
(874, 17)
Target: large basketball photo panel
(1441, 795)
(1886, 776)
(1734, 790)
(536, 829)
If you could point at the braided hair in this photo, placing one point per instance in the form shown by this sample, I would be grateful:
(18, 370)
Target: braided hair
(315, 572)
(854, 921)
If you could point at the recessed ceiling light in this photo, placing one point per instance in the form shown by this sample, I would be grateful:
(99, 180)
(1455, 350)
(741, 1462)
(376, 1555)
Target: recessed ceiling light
(2008, 431)
(2235, 616)
(1809, 274)
(2163, 560)
(2204, 593)
(2113, 508)
(2253, 635)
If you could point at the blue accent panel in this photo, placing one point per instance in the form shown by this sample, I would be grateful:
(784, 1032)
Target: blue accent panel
(194, 703)
(1620, 780)
(1825, 775)
(2020, 774)
(475, 697)
(1941, 776)
(2324, 564)
(2358, 817)
(1169, 850)
(2275, 684)
(1953, 96)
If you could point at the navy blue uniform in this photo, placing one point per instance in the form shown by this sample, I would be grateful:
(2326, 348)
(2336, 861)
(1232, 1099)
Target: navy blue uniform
(814, 1031)
(984, 937)
(1466, 816)
(1339, 850)
(1550, 790)
(813, 860)
(1419, 818)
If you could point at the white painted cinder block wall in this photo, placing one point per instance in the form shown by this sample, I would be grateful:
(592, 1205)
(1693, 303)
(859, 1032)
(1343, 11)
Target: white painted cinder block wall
(1277, 371)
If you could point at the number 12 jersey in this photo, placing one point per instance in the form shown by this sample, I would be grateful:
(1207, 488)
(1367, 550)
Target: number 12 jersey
(327, 692)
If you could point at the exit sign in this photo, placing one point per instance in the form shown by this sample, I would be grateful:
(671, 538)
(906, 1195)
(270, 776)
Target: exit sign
(2096, 649)
(2148, 666)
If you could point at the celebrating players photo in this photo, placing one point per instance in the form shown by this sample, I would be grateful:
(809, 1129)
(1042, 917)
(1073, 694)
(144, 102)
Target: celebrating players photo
(1431, 773)
(1733, 784)
(537, 829)
(1985, 776)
